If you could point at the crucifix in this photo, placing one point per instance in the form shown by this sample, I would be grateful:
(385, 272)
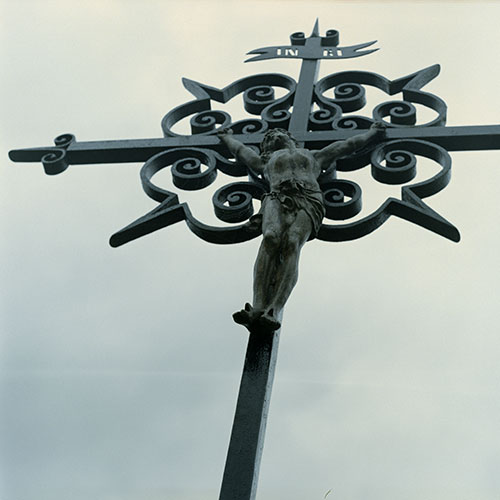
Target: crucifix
(315, 121)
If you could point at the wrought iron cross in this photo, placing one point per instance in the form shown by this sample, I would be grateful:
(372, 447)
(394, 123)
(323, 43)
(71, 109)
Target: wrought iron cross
(315, 120)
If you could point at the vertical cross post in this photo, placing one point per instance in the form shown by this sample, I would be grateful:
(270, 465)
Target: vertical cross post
(305, 85)
(241, 472)
(246, 444)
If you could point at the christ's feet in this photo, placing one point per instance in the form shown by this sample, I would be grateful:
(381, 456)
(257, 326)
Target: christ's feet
(246, 316)
(256, 319)
(269, 322)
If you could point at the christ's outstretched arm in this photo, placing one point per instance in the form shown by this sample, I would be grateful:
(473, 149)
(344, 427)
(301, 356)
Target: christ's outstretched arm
(340, 149)
(242, 153)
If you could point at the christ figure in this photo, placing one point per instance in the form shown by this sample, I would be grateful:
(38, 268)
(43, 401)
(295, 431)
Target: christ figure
(291, 213)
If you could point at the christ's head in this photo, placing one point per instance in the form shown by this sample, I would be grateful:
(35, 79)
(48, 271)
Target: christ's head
(276, 139)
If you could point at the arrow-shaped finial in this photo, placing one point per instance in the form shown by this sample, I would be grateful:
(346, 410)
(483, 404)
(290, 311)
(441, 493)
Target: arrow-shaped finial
(315, 31)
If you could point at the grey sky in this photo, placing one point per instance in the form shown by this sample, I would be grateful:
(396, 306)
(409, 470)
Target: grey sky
(120, 367)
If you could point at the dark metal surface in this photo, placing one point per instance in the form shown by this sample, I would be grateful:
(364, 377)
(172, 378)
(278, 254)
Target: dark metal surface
(247, 437)
(312, 48)
(316, 117)
(459, 138)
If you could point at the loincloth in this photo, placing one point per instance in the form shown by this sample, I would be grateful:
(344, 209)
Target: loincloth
(294, 196)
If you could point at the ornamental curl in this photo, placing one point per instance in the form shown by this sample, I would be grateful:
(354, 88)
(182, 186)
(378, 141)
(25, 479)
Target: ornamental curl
(342, 199)
(399, 112)
(258, 98)
(353, 122)
(323, 118)
(55, 161)
(233, 202)
(249, 126)
(298, 38)
(276, 116)
(205, 122)
(187, 173)
(401, 164)
(255, 99)
(350, 96)
(64, 140)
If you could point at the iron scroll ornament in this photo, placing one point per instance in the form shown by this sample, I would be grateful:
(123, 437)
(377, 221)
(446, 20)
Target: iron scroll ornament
(317, 113)
(233, 202)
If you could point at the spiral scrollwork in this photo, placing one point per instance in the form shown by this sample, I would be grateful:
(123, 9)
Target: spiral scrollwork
(259, 98)
(277, 116)
(249, 126)
(353, 122)
(348, 95)
(255, 99)
(55, 161)
(401, 164)
(206, 121)
(323, 118)
(298, 38)
(401, 157)
(187, 172)
(331, 39)
(400, 167)
(399, 112)
(233, 202)
(393, 162)
(342, 199)
(64, 140)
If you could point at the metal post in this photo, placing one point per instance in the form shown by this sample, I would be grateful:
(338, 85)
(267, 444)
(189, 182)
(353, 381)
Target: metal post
(302, 102)
(247, 436)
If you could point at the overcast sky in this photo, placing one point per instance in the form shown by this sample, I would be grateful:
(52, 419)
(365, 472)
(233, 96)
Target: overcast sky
(120, 367)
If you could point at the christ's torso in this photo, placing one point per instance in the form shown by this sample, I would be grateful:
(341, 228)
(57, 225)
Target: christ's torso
(292, 164)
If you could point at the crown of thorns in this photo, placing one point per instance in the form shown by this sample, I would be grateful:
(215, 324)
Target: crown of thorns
(268, 136)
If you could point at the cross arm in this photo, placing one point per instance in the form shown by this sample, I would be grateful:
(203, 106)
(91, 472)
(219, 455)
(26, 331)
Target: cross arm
(116, 151)
(71, 152)
(57, 158)
(462, 138)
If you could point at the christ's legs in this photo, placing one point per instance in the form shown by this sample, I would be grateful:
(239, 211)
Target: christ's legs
(276, 267)
(266, 264)
(268, 258)
(288, 270)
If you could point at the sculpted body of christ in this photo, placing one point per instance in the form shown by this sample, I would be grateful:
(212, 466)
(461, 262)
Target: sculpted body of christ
(291, 213)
